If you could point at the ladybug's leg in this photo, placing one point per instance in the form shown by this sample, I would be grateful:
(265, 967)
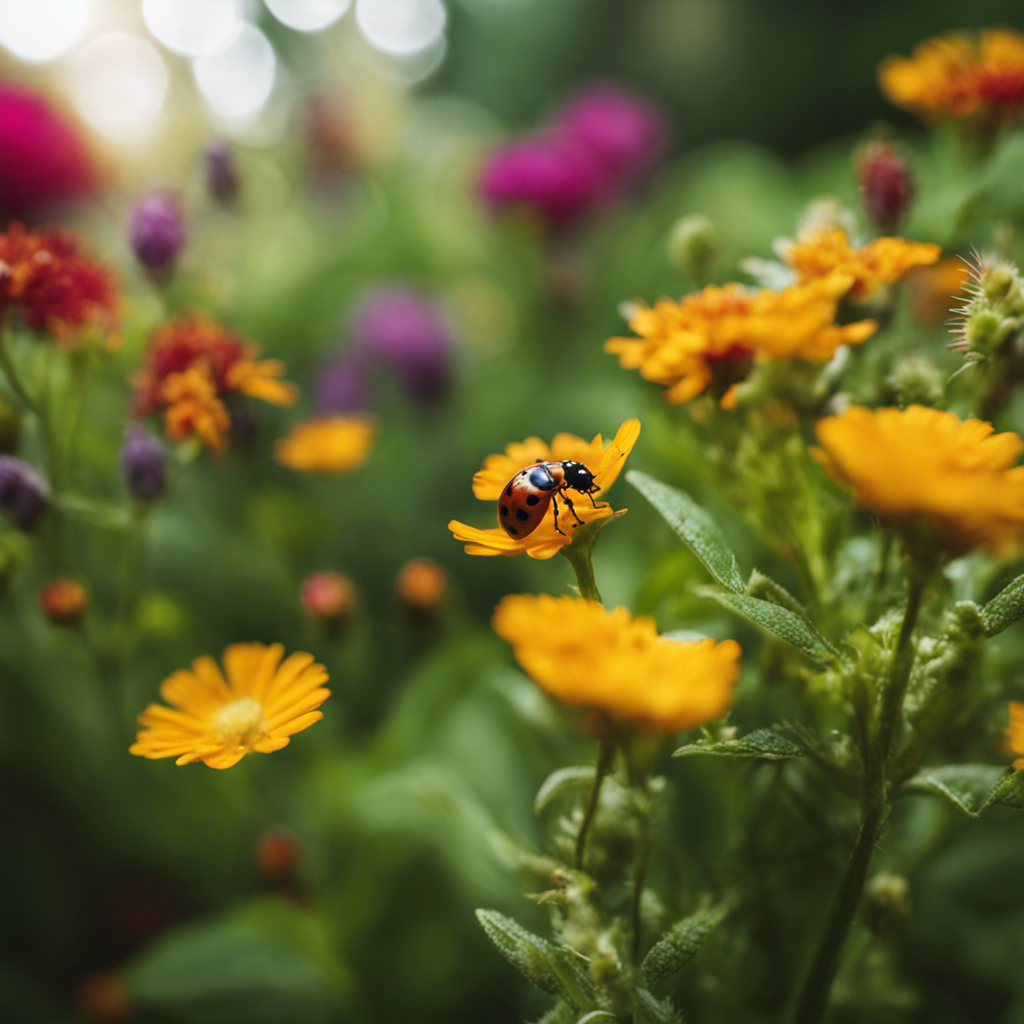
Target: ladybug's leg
(554, 505)
(572, 509)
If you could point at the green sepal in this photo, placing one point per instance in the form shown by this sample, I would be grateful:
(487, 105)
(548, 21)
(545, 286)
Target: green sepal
(970, 788)
(562, 781)
(1005, 608)
(781, 622)
(776, 743)
(694, 526)
(677, 947)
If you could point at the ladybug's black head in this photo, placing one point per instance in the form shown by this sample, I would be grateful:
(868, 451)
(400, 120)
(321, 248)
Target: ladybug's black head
(578, 477)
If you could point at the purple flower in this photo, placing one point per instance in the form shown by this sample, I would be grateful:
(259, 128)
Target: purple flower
(24, 494)
(144, 462)
(157, 231)
(403, 329)
(625, 133)
(560, 181)
(222, 179)
(342, 387)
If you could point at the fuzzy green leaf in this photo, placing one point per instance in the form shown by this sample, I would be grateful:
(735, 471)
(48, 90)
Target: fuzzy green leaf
(694, 526)
(565, 780)
(776, 743)
(970, 788)
(1005, 608)
(675, 949)
(795, 630)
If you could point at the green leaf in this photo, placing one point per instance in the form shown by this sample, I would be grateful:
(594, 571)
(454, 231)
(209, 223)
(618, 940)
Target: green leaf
(970, 788)
(795, 630)
(267, 962)
(776, 743)
(675, 949)
(765, 588)
(565, 780)
(1004, 609)
(694, 526)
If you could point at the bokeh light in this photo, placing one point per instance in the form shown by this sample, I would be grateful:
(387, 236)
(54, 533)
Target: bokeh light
(41, 30)
(193, 27)
(307, 15)
(237, 80)
(118, 83)
(401, 27)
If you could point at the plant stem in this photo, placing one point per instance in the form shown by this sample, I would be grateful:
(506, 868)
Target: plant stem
(642, 855)
(14, 378)
(579, 556)
(605, 758)
(817, 984)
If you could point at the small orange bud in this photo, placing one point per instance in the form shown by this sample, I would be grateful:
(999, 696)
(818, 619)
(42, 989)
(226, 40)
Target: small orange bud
(421, 585)
(330, 598)
(278, 855)
(64, 601)
(104, 997)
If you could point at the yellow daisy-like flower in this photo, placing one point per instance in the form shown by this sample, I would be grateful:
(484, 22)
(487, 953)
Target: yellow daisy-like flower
(258, 707)
(714, 336)
(192, 407)
(950, 76)
(610, 662)
(261, 378)
(1015, 732)
(873, 266)
(604, 461)
(334, 444)
(918, 463)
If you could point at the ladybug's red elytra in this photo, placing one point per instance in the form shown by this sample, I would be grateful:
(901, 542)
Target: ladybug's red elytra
(526, 497)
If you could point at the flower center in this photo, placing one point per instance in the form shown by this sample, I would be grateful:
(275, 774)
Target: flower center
(240, 723)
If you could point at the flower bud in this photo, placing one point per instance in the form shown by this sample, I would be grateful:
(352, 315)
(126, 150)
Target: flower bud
(421, 586)
(886, 902)
(64, 601)
(278, 855)
(157, 232)
(693, 245)
(886, 184)
(330, 599)
(222, 181)
(144, 462)
(24, 494)
(916, 380)
(10, 426)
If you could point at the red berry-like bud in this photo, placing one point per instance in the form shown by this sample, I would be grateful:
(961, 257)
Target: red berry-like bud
(64, 601)
(330, 598)
(278, 855)
(421, 586)
(104, 997)
(885, 183)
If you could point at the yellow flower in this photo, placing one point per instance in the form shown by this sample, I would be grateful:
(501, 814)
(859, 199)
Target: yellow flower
(612, 663)
(192, 407)
(873, 266)
(335, 444)
(1015, 732)
(605, 461)
(951, 76)
(919, 463)
(261, 378)
(260, 705)
(713, 337)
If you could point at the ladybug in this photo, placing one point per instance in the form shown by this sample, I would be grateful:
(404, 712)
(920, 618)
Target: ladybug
(525, 498)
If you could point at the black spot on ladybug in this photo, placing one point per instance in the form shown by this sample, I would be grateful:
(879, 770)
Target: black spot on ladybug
(532, 499)
(508, 490)
(522, 515)
(504, 511)
(512, 530)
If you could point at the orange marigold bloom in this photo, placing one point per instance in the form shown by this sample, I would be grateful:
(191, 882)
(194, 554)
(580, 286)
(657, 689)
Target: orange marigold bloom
(917, 463)
(951, 76)
(1015, 732)
(53, 285)
(191, 365)
(605, 461)
(260, 704)
(334, 444)
(871, 267)
(610, 662)
(934, 288)
(714, 336)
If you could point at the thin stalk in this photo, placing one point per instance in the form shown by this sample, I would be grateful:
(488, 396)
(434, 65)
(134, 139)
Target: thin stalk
(642, 856)
(14, 380)
(817, 984)
(605, 759)
(579, 556)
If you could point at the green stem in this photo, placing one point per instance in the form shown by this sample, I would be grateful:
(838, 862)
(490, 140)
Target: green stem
(642, 855)
(14, 380)
(579, 555)
(605, 758)
(814, 992)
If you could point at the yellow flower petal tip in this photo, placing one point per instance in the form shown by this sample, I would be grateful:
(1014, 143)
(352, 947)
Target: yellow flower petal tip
(917, 463)
(256, 704)
(605, 461)
(334, 444)
(612, 663)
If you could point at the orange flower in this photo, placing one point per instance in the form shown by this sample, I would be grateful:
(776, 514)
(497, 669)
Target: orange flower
(872, 266)
(605, 461)
(1015, 732)
(191, 365)
(335, 444)
(914, 464)
(54, 286)
(952, 77)
(934, 288)
(610, 662)
(713, 337)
